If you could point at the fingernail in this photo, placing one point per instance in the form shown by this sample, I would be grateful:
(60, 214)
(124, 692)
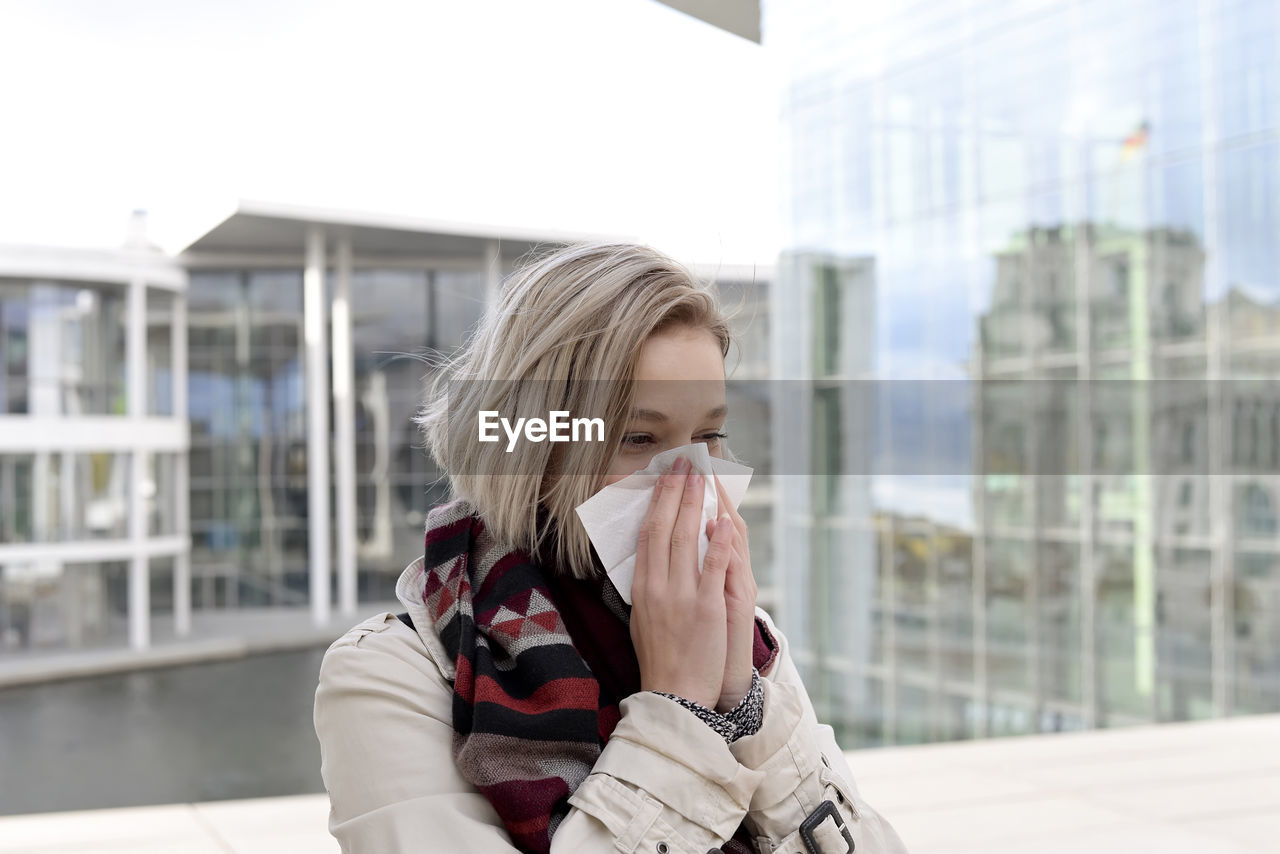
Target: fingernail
(695, 481)
(681, 465)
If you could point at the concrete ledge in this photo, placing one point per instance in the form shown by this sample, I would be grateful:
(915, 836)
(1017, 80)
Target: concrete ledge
(260, 826)
(215, 636)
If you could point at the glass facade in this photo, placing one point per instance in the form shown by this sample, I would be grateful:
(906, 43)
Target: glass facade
(249, 509)
(248, 442)
(62, 348)
(401, 321)
(67, 496)
(86, 468)
(1084, 196)
(81, 604)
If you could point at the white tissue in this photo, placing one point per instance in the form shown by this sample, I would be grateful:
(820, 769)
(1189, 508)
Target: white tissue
(613, 515)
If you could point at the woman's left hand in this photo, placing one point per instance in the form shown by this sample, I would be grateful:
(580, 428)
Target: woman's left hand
(740, 605)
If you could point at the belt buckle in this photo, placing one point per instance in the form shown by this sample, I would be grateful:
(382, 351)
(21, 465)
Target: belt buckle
(825, 810)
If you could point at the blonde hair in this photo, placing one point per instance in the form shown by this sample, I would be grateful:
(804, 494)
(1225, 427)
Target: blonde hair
(565, 334)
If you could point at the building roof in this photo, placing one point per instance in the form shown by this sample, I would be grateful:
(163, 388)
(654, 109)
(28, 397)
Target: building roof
(740, 17)
(103, 266)
(271, 228)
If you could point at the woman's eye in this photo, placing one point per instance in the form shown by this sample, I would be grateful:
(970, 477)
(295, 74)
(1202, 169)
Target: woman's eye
(636, 440)
(639, 441)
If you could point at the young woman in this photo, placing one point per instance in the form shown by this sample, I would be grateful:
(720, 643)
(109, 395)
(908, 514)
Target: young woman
(529, 707)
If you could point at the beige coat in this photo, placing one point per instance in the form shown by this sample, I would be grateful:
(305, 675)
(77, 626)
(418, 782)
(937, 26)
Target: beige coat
(664, 784)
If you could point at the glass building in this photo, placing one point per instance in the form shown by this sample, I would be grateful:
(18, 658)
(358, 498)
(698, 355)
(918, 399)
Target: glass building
(312, 334)
(1051, 229)
(93, 447)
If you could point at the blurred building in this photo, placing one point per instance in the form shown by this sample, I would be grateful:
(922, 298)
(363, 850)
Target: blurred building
(1074, 192)
(93, 445)
(158, 416)
(824, 343)
(311, 334)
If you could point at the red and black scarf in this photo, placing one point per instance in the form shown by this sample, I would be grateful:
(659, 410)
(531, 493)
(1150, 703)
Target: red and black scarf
(543, 660)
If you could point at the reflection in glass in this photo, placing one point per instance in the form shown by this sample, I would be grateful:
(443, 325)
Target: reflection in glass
(1185, 641)
(64, 496)
(159, 356)
(44, 603)
(247, 405)
(1057, 622)
(248, 464)
(1082, 236)
(1123, 688)
(158, 494)
(1256, 632)
(61, 349)
(1008, 618)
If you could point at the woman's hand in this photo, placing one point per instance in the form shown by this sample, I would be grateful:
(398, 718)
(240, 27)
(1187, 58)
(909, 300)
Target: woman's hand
(679, 621)
(740, 605)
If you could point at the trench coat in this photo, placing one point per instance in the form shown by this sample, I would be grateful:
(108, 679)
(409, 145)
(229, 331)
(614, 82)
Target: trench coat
(665, 782)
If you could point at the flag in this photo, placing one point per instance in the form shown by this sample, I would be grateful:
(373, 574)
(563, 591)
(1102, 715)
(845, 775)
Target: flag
(1135, 142)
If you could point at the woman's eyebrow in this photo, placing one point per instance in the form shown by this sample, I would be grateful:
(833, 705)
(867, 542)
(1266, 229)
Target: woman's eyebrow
(655, 415)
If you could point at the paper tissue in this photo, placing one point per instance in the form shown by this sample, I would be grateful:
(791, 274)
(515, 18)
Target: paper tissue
(613, 515)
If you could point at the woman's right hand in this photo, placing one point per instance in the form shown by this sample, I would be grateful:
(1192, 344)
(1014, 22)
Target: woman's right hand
(678, 617)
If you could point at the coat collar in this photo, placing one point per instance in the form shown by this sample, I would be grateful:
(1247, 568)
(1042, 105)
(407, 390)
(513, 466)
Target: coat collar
(409, 590)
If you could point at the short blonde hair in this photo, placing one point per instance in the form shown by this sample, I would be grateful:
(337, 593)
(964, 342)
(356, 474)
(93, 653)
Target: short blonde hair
(565, 334)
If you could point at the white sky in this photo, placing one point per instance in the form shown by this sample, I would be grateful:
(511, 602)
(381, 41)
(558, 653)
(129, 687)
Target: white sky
(606, 116)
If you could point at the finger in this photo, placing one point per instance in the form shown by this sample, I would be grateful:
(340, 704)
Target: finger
(740, 612)
(740, 548)
(716, 564)
(684, 535)
(642, 573)
(739, 585)
(656, 530)
(726, 506)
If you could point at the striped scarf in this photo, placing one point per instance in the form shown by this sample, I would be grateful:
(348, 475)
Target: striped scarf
(543, 660)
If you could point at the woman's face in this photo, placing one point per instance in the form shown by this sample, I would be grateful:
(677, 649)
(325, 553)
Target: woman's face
(679, 399)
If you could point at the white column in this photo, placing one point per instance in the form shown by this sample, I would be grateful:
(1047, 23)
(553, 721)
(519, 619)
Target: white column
(344, 429)
(492, 271)
(45, 359)
(313, 314)
(136, 394)
(1091, 695)
(181, 474)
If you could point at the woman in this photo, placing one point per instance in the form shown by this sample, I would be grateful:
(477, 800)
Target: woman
(528, 707)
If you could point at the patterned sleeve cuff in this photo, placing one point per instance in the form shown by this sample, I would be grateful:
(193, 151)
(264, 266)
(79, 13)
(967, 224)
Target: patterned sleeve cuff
(744, 719)
(748, 715)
